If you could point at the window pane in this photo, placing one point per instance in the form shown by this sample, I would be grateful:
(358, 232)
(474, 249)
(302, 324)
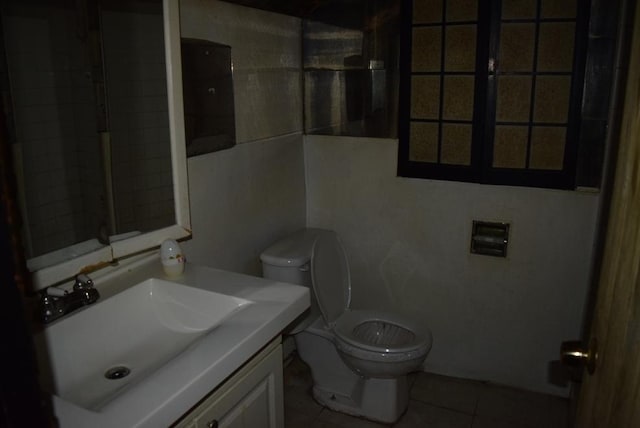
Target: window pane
(514, 99)
(425, 97)
(462, 10)
(522, 107)
(555, 48)
(423, 142)
(552, 99)
(458, 97)
(547, 148)
(427, 11)
(425, 51)
(456, 144)
(510, 146)
(460, 52)
(517, 42)
(558, 9)
(518, 9)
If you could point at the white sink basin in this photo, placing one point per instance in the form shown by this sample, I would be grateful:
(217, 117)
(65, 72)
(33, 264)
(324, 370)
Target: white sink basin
(180, 338)
(139, 329)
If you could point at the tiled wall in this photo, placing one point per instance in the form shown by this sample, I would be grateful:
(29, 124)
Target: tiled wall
(244, 198)
(265, 52)
(138, 113)
(601, 70)
(55, 125)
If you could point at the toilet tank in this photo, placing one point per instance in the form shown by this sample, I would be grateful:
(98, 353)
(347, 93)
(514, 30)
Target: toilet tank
(289, 260)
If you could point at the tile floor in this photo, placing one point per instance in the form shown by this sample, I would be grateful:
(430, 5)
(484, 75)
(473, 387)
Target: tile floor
(436, 402)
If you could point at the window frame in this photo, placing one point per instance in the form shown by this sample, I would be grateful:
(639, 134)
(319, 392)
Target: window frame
(480, 169)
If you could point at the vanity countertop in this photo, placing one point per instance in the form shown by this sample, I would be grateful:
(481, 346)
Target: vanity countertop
(165, 395)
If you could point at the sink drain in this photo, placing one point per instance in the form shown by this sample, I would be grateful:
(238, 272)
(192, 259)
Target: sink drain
(117, 372)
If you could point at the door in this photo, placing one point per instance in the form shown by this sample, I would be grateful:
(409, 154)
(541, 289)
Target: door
(610, 397)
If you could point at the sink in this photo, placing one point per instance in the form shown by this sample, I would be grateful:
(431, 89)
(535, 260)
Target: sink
(128, 337)
(167, 341)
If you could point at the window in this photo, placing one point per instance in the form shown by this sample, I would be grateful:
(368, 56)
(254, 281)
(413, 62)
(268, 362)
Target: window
(492, 91)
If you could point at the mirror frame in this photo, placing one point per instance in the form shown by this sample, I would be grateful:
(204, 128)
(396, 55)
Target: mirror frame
(105, 256)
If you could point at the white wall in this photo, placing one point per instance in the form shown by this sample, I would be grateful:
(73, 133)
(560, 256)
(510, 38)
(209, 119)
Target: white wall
(244, 198)
(407, 239)
(408, 245)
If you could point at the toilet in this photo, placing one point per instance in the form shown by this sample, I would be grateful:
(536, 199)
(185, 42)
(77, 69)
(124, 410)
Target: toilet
(359, 359)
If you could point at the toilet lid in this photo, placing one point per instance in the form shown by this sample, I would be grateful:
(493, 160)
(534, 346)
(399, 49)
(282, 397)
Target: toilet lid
(330, 276)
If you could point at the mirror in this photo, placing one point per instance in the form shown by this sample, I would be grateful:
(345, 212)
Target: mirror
(351, 65)
(95, 105)
(351, 72)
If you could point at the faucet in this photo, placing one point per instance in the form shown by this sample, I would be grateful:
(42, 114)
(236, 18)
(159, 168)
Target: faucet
(56, 302)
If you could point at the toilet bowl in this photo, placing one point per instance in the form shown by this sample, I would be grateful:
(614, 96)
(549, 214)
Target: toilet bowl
(381, 345)
(359, 359)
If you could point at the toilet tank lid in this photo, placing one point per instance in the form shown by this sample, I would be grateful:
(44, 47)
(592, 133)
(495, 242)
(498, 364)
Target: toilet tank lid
(292, 251)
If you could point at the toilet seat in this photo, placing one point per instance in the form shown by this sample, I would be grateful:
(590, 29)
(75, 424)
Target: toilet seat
(381, 333)
(369, 335)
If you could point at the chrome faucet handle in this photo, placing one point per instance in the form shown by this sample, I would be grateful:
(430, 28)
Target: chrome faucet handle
(56, 302)
(82, 282)
(55, 292)
(47, 307)
(50, 308)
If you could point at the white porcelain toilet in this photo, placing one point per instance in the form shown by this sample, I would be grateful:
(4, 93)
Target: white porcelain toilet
(359, 360)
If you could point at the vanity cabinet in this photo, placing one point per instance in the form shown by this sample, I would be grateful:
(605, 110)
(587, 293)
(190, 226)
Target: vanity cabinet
(251, 398)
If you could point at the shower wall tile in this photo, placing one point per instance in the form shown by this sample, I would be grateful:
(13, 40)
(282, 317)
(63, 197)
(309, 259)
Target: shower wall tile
(138, 107)
(244, 198)
(47, 112)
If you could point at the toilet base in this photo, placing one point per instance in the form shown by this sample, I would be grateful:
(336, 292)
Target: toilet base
(339, 388)
(381, 400)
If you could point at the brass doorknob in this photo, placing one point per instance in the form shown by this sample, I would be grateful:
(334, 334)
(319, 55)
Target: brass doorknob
(574, 354)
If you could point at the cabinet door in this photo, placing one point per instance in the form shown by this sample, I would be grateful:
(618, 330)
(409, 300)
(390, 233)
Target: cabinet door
(253, 410)
(253, 400)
